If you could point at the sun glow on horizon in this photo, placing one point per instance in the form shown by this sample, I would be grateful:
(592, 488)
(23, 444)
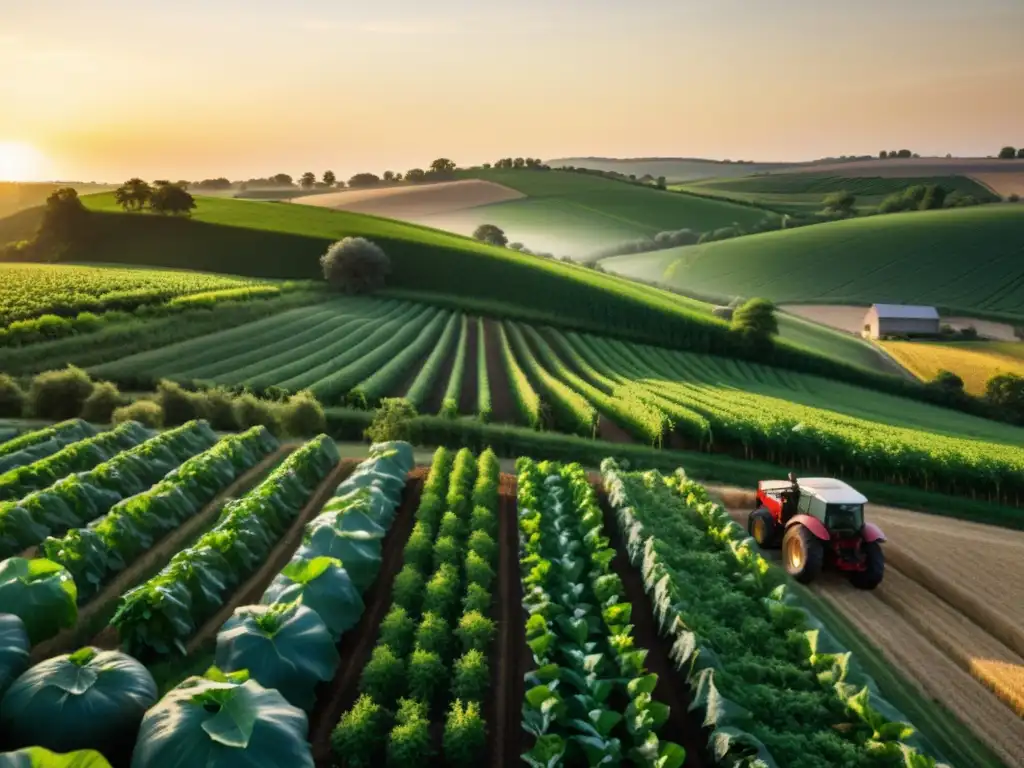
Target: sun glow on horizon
(19, 161)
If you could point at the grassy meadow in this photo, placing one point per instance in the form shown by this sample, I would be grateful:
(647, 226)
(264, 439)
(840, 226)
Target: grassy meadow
(965, 259)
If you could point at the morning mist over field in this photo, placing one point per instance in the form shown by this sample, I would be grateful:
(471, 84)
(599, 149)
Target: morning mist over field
(104, 90)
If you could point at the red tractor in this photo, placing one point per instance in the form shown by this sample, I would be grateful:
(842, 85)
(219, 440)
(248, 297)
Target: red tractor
(816, 520)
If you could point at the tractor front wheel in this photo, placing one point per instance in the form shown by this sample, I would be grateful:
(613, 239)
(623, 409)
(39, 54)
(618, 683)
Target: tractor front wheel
(874, 569)
(802, 554)
(763, 528)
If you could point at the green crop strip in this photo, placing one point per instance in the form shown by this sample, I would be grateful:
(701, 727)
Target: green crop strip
(579, 633)
(772, 683)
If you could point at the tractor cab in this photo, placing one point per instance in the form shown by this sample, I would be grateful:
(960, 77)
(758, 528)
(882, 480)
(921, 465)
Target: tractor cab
(822, 521)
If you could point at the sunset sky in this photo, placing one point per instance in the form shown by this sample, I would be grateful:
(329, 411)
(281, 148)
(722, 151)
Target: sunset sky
(196, 88)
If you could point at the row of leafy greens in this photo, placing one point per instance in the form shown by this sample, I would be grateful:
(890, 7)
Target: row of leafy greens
(40, 443)
(288, 641)
(774, 687)
(76, 457)
(77, 499)
(95, 554)
(590, 700)
(158, 617)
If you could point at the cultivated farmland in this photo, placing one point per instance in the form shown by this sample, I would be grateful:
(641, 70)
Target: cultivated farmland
(358, 351)
(31, 290)
(349, 593)
(929, 257)
(974, 362)
(953, 624)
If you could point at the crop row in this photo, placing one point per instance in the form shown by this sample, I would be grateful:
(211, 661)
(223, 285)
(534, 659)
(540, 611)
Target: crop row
(160, 615)
(76, 457)
(771, 683)
(431, 655)
(590, 700)
(40, 443)
(288, 641)
(77, 499)
(453, 390)
(30, 290)
(114, 541)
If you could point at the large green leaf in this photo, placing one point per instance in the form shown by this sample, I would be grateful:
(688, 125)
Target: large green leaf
(283, 646)
(228, 724)
(322, 584)
(86, 700)
(39, 592)
(14, 647)
(38, 757)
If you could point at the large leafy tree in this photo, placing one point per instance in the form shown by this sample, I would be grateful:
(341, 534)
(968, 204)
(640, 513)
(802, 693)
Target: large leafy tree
(355, 265)
(172, 199)
(490, 233)
(134, 194)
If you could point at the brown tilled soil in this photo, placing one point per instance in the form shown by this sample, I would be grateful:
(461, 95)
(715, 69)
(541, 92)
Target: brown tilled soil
(468, 395)
(94, 614)
(254, 587)
(611, 431)
(510, 659)
(911, 167)
(682, 727)
(436, 397)
(948, 614)
(934, 673)
(414, 202)
(338, 696)
(503, 407)
(402, 389)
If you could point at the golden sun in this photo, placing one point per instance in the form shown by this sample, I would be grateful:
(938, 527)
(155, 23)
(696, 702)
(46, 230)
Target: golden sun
(18, 161)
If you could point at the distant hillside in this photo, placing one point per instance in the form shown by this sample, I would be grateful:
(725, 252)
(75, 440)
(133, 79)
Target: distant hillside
(672, 168)
(967, 259)
(577, 214)
(18, 195)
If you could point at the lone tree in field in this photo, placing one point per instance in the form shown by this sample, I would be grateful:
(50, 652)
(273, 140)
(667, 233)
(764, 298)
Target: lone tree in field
(1006, 392)
(948, 383)
(65, 220)
(756, 320)
(172, 199)
(489, 233)
(364, 180)
(355, 265)
(842, 203)
(442, 168)
(307, 180)
(330, 179)
(134, 194)
(1007, 153)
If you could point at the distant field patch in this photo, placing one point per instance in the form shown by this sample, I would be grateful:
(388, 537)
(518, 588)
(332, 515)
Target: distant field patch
(967, 259)
(974, 362)
(414, 202)
(575, 214)
(806, 183)
(1004, 183)
(30, 290)
(848, 319)
(672, 168)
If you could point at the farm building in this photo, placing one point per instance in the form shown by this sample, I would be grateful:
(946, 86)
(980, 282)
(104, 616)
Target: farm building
(900, 320)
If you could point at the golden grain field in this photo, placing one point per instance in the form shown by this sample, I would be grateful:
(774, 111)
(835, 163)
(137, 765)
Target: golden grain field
(975, 364)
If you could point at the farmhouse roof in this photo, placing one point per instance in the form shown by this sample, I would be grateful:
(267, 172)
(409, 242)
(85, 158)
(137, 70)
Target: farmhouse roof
(906, 311)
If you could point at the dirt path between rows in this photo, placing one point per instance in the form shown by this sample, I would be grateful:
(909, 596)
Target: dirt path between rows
(682, 727)
(93, 616)
(470, 373)
(612, 431)
(337, 696)
(503, 407)
(511, 659)
(434, 400)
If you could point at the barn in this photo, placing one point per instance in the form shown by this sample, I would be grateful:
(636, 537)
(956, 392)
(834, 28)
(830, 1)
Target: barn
(900, 320)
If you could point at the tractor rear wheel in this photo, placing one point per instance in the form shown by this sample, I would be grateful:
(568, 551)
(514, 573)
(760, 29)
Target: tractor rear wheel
(872, 574)
(763, 528)
(802, 554)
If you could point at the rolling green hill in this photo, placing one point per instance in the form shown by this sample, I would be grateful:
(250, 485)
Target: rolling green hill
(278, 240)
(672, 168)
(797, 193)
(575, 214)
(965, 259)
